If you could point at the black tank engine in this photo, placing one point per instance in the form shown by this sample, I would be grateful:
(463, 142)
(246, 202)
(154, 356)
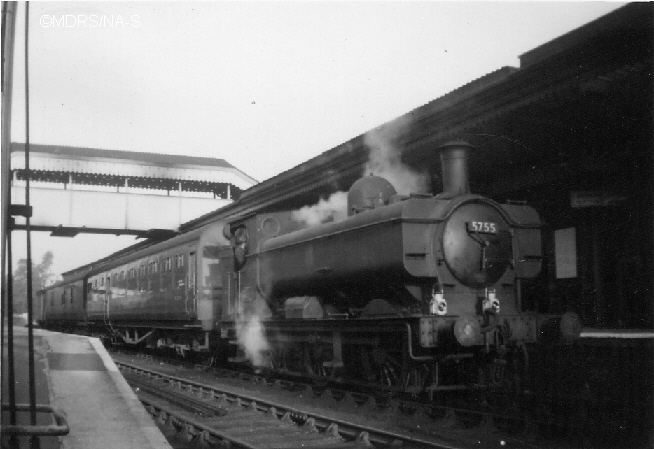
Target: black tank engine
(425, 278)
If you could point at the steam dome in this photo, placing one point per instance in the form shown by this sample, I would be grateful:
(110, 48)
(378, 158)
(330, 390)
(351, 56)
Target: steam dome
(368, 193)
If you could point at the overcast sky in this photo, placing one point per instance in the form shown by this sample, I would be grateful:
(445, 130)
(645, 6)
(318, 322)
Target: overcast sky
(263, 85)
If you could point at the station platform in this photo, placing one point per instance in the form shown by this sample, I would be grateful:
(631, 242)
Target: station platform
(75, 375)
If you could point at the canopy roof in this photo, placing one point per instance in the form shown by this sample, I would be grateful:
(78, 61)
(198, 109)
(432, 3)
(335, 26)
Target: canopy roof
(63, 159)
(562, 114)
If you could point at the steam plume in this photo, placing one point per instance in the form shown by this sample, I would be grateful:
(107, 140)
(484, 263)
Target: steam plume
(249, 328)
(385, 160)
(333, 208)
(249, 333)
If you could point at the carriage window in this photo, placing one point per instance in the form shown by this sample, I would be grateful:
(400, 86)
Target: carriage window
(168, 264)
(102, 281)
(179, 260)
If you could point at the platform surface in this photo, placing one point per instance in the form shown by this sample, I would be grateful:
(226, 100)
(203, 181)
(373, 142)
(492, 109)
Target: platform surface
(76, 375)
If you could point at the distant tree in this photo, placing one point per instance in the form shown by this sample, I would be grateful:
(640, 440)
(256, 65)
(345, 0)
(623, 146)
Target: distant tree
(41, 274)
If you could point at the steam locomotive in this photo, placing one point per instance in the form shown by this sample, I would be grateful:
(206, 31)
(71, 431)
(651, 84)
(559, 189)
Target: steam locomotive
(420, 292)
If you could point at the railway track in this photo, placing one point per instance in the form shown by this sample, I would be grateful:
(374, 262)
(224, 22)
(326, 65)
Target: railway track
(342, 395)
(205, 416)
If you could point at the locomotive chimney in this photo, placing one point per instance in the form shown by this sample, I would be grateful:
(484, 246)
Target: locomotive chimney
(454, 165)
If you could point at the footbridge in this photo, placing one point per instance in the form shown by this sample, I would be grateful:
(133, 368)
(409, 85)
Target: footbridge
(90, 190)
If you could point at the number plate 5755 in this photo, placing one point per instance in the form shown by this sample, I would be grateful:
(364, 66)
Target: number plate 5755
(482, 227)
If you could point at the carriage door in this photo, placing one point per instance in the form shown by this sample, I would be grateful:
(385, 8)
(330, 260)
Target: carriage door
(191, 281)
(86, 296)
(107, 297)
(229, 282)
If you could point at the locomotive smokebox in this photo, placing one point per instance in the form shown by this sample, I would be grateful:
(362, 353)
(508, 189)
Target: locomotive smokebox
(454, 165)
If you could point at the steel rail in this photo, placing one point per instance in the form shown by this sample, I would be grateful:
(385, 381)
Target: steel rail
(376, 436)
(340, 388)
(276, 427)
(178, 398)
(195, 423)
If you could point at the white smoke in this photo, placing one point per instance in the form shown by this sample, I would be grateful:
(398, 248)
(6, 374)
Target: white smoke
(385, 160)
(249, 327)
(333, 208)
(251, 339)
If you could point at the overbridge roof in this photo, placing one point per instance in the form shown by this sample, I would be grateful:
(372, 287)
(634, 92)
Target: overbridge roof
(57, 158)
